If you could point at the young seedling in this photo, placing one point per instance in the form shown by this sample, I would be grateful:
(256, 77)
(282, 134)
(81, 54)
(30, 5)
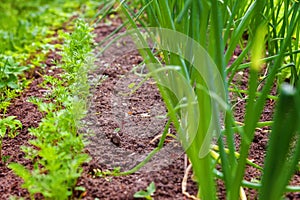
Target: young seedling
(150, 190)
(8, 125)
(100, 173)
(6, 95)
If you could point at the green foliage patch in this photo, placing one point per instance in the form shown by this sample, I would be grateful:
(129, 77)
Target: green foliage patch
(57, 150)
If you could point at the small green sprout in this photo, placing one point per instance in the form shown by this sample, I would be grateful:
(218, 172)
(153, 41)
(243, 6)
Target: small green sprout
(100, 173)
(131, 85)
(117, 130)
(150, 190)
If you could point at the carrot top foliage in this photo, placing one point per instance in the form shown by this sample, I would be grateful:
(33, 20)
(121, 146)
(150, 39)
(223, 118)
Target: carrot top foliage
(30, 30)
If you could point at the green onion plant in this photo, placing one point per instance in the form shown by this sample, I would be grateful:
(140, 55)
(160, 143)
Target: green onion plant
(196, 39)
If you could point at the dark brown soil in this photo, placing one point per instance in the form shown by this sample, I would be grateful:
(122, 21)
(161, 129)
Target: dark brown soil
(140, 117)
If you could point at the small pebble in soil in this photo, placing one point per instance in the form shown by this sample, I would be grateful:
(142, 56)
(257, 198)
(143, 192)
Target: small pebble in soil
(116, 140)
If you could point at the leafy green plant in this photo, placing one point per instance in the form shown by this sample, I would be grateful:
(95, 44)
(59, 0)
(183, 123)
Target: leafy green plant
(26, 30)
(24, 25)
(9, 71)
(8, 126)
(150, 190)
(58, 160)
(6, 95)
(77, 45)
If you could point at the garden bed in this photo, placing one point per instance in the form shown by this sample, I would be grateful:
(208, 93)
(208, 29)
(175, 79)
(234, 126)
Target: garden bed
(140, 119)
(121, 128)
